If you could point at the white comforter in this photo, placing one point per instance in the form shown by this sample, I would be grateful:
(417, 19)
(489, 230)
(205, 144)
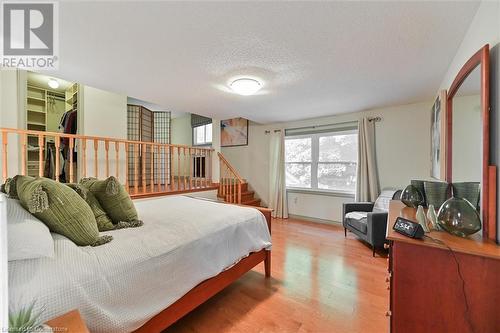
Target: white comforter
(118, 286)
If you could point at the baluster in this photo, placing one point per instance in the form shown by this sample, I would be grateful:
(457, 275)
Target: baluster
(96, 167)
(210, 168)
(166, 170)
(185, 165)
(239, 192)
(4, 157)
(106, 148)
(41, 144)
(171, 159)
(151, 162)
(136, 167)
(57, 143)
(230, 185)
(127, 182)
(143, 166)
(117, 159)
(178, 168)
(222, 173)
(204, 174)
(71, 147)
(157, 167)
(24, 153)
(190, 168)
(195, 168)
(84, 157)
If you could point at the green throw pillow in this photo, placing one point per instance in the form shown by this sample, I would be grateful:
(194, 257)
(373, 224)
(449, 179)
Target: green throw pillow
(104, 223)
(114, 199)
(10, 186)
(61, 209)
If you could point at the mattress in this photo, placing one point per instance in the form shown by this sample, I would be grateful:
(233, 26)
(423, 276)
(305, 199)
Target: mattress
(119, 286)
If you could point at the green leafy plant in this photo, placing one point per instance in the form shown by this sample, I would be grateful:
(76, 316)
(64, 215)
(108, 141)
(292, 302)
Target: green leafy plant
(25, 319)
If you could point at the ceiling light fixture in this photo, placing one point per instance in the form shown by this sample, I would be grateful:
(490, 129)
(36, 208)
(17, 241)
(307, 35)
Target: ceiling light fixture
(53, 83)
(245, 86)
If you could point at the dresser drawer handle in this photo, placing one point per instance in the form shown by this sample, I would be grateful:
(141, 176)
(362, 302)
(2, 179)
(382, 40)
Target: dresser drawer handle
(386, 246)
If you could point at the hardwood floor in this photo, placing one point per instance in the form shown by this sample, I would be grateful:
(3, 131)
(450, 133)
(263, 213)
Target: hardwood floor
(321, 282)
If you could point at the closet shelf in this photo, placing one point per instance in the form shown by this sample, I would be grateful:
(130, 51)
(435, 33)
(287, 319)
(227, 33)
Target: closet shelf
(36, 111)
(36, 99)
(36, 123)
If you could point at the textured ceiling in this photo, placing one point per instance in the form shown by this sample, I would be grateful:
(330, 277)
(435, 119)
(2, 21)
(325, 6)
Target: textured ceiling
(314, 58)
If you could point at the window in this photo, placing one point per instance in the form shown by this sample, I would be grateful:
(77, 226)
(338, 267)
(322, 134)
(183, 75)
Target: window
(202, 135)
(322, 161)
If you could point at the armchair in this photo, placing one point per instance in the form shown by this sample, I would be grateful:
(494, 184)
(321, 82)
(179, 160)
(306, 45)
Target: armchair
(368, 220)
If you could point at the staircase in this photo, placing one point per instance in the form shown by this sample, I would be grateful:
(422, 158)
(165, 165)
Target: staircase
(233, 188)
(247, 197)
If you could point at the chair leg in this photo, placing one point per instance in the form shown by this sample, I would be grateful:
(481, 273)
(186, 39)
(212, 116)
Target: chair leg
(345, 232)
(374, 251)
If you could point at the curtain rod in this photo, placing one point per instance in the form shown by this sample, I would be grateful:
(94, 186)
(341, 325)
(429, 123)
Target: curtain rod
(374, 119)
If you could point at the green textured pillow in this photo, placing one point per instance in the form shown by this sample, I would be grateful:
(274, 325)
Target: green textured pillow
(10, 186)
(114, 199)
(104, 223)
(61, 209)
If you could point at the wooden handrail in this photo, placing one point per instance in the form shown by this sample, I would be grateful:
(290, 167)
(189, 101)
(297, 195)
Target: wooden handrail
(150, 168)
(230, 184)
(90, 137)
(231, 168)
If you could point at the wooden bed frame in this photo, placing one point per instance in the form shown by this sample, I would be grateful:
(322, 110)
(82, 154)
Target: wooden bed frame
(208, 288)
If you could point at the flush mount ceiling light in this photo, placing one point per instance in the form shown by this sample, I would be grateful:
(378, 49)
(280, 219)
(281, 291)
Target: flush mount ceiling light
(53, 83)
(245, 86)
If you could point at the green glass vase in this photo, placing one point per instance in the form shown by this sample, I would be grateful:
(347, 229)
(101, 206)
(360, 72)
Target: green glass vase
(459, 217)
(412, 197)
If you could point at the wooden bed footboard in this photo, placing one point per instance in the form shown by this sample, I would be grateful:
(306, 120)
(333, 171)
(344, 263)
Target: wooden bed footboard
(210, 287)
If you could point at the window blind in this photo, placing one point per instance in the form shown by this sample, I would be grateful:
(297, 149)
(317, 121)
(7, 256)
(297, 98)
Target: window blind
(197, 120)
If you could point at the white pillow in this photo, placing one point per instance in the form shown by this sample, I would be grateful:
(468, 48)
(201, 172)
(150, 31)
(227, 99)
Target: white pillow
(28, 237)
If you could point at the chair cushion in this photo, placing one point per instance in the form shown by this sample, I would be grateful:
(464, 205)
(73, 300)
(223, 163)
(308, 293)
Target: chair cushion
(382, 203)
(357, 222)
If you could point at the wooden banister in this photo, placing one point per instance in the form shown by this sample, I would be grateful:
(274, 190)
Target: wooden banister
(150, 168)
(230, 184)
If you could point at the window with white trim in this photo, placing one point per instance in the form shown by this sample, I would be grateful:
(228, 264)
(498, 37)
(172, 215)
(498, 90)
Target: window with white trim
(202, 135)
(322, 161)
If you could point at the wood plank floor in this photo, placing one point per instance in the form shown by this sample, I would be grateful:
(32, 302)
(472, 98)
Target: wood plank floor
(321, 282)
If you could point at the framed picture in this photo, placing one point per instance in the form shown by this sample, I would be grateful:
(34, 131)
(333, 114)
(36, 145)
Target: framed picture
(234, 132)
(438, 137)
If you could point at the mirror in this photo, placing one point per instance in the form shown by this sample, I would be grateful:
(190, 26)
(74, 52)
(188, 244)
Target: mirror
(467, 130)
(467, 135)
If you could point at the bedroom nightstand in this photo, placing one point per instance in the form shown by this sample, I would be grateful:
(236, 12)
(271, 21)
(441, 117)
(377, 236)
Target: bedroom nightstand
(70, 322)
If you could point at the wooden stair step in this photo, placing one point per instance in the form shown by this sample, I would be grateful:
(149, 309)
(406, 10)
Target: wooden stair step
(254, 202)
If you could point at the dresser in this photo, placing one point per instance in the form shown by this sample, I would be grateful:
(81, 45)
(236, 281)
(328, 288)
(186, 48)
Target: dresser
(426, 286)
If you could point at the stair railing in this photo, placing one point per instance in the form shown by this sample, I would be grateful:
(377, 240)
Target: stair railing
(145, 168)
(230, 182)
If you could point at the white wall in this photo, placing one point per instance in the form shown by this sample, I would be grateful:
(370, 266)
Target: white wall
(11, 115)
(103, 114)
(484, 29)
(403, 153)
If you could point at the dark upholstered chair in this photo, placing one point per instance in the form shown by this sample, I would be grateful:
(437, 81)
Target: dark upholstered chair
(368, 220)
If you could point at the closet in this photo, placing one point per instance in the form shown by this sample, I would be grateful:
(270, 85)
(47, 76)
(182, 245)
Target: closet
(51, 109)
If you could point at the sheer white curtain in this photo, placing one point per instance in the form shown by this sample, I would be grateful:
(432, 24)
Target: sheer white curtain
(277, 184)
(367, 184)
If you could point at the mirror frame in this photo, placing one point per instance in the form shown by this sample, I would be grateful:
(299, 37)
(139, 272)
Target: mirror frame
(488, 206)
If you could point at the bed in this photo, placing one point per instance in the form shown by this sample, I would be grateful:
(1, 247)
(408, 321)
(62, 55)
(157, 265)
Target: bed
(149, 277)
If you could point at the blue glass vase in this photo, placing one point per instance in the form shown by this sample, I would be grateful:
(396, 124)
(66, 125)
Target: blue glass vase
(459, 217)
